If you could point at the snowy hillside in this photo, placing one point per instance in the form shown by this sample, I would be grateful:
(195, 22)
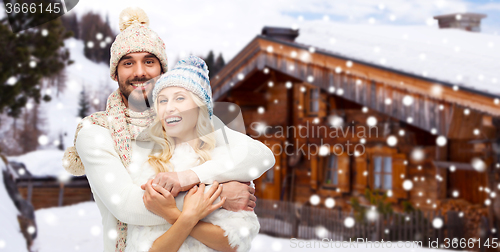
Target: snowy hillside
(60, 114)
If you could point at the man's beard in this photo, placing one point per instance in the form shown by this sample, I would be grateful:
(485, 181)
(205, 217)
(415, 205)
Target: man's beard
(138, 98)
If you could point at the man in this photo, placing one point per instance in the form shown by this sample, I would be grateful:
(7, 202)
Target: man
(109, 144)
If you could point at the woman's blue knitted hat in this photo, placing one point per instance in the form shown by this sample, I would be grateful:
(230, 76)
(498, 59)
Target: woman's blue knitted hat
(190, 73)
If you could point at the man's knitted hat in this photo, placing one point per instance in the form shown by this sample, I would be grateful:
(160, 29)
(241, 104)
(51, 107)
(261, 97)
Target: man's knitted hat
(190, 73)
(136, 36)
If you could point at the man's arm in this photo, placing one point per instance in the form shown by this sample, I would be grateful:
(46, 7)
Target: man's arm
(110, 180)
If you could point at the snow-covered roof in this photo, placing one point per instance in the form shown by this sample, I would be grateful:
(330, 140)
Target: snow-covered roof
(42, 163)
(465, 59)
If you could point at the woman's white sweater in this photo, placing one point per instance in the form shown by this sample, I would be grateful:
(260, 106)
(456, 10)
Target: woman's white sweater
(240, 227)
(115, 193)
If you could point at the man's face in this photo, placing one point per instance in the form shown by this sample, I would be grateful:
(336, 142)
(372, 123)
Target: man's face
(133, 70)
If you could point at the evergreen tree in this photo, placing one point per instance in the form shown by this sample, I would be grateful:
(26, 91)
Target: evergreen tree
(70, 22)
(60, 146)
(219, 63)
(25, 58)
(210, 61)
(94, 33)
(83, 104)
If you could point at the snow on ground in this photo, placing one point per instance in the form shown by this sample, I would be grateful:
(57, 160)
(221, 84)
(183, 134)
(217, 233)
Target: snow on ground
(11, 238)
(468, 59)
(78, 228)
(70, 228)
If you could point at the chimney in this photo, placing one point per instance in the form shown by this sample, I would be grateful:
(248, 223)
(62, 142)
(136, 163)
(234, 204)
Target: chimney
(464, 21)
(286, 34)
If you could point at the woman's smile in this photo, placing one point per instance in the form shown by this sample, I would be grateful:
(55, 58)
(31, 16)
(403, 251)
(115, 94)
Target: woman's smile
(171, 121)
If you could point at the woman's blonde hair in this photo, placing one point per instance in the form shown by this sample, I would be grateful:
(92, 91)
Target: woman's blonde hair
(204, 145)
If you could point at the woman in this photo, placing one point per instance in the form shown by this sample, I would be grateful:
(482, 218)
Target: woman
(184, 130)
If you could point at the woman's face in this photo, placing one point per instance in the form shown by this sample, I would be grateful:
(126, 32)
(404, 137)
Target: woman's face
(178, 113)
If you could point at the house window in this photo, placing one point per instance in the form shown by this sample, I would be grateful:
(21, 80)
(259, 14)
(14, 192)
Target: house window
(311, 100)
(331, 171)
(269, 176)
(382, 172)
(314, 100)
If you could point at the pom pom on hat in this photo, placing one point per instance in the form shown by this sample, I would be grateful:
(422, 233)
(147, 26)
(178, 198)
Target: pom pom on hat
(133, 15)
(135, 36)
(193, 61)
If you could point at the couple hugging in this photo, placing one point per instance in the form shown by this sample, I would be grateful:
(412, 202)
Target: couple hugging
(154, 161)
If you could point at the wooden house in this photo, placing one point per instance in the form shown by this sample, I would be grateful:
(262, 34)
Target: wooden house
(49, 190)
(340, 123)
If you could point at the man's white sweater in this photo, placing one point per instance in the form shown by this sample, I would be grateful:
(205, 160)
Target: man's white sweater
(117, 197)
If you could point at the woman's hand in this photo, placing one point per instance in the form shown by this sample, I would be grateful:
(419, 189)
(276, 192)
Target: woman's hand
(161, 202)
(198, 204)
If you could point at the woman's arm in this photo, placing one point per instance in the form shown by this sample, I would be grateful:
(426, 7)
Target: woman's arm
(160, 201)
(175, 235)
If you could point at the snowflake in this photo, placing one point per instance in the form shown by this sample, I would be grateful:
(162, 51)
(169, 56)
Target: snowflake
(43, 140)
(253, 172)
(115, 199)
(12, 80)
(244, 231)
(95, 230)
(31, 230)
(314, 199)
(349, 222)
(321, 231)
(276, 246)
(407, 185)
(112, 234)
(329, 202)
(371, 121)
(392, 140)
(441, 141)
(110, 177)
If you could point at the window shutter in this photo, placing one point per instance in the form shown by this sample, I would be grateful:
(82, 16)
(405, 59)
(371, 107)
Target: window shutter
(298, 101)
(360, 166)
(344, 173)
(322, 104)
(398, 168)
(314, 172)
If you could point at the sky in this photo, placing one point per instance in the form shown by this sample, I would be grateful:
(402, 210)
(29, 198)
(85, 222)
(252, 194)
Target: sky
(197, 26)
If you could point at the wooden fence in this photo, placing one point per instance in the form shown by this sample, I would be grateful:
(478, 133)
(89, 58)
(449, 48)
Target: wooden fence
(286, 219)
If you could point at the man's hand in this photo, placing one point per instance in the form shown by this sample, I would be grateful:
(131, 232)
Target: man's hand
(175, 182)
(239, 196)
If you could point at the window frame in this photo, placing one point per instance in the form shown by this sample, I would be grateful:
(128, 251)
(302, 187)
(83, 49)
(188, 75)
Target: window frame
(312, 102)
(382, 173)
(334, 170)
